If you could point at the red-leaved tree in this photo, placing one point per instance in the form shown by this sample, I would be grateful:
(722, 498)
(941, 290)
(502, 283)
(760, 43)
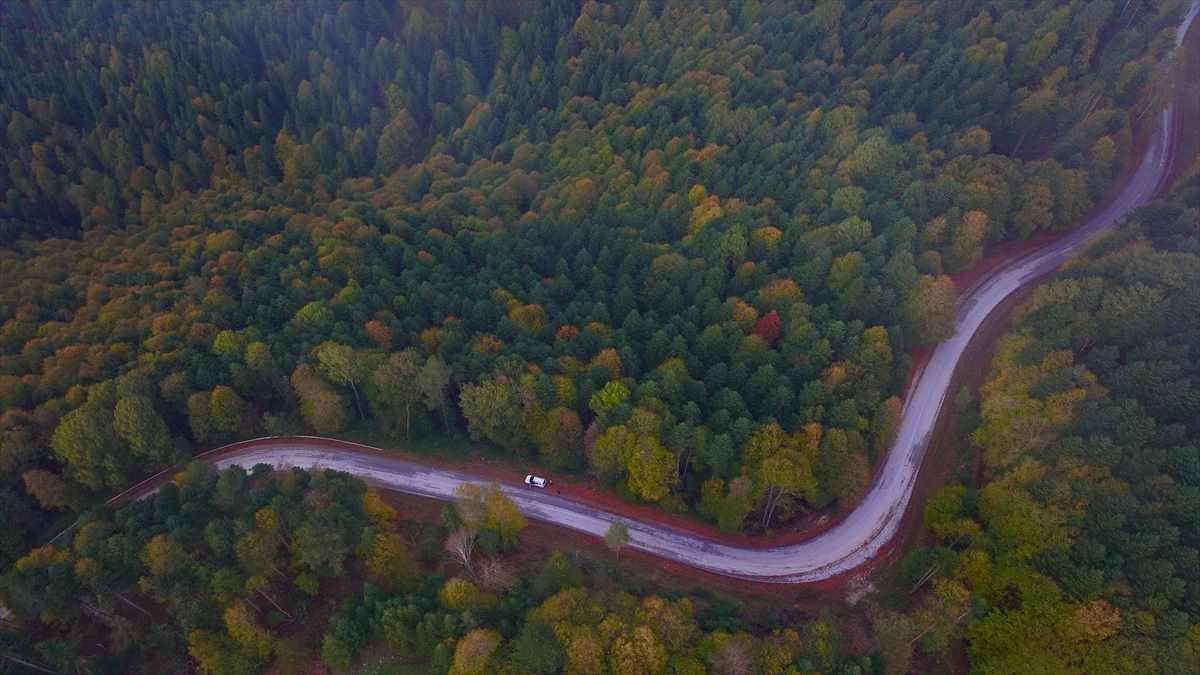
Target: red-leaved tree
(769, 327)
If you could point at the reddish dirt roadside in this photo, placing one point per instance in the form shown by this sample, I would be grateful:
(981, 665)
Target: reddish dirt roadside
(944, 444)
(504, 471)
(660, 574)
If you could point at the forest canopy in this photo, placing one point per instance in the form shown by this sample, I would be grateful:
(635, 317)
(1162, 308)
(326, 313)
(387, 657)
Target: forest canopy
(1079, 550)
(225, 574)
(682, 246)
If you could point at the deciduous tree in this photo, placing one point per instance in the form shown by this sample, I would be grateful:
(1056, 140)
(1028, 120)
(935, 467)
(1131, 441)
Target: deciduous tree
(473, 652)
(930, 309)
(459, 595)
(434, 382)
(225, 408)
(243, 628)
(460, 548)
(395, 388)
(611, 395)
(494, 413)
(342, 365)
(638, 652)
(85, 442)
(51, 491)
(140, 425)
(617, 537)
(391, 564)
(650, 468)
(503, 515)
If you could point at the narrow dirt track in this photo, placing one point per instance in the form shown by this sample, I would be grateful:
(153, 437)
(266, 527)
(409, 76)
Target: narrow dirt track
(852, 542)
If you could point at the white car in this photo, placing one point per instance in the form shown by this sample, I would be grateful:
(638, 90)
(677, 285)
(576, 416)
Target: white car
(535, 481)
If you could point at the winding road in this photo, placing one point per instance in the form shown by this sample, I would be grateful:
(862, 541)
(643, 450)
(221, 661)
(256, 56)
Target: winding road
(853, 541)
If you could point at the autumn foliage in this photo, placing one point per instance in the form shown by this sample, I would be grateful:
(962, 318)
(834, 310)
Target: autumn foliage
(769, 327)
(683, 246)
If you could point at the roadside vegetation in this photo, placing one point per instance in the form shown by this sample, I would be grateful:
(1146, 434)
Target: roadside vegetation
(233, 572)
(1078, 553)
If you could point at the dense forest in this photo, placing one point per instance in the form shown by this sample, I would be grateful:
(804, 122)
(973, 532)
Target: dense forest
(682, 246)
(1079, 554)
(235, 571)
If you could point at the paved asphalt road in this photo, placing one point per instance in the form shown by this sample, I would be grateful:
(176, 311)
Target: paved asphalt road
(851, 542)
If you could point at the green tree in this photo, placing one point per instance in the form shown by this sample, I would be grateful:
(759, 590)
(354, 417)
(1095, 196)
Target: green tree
(314, 316)
(164, 554)
(460, 595)
(537, 650)
(503, 515)
(944, 514)
(606, 458)
(558, 435)
(321, 544)
(395, 387)
(617, 538)
(783, 468)
(342, 365)
(728, 508)
(321, 407)
(140, 425)
(225, 408)
(494, 414)
(199, 409)
(397, 143)
(470, 503)
(650, 468)
(894, 634)
(613, 394)
(228, 584)
(218, 654)
(258, 553)
(85, 442)
(336, 653)
(833, 465)
(966, 245)
(326, 411)
(434, 383)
